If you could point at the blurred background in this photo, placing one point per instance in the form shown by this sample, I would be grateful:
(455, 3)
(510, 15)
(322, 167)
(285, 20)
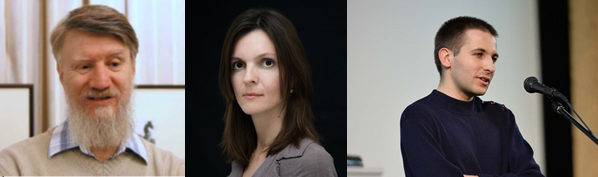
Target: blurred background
(390, 64)
(26, 60)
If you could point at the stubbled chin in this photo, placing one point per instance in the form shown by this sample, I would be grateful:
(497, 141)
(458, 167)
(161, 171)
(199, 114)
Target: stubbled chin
(482, 91)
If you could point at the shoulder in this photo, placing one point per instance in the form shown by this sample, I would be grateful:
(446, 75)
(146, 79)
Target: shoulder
(313, 161)
(317, 155)
(25, 152)
(495, 106)
(499, 112)
(35, 144)
(164, 160)
(420, 113)
(418, 109)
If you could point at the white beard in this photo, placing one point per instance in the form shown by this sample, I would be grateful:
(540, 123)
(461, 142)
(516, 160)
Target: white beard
(104, 127)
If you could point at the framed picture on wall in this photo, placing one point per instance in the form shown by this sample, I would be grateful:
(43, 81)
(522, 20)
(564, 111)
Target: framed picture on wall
(16, 113)
(159, 113)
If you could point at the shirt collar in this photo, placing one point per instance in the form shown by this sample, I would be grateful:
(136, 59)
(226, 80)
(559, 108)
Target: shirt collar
(288, 152)
(291, 151)
(62, 140)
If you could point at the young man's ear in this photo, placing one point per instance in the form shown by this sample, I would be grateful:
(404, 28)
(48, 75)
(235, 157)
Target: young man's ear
(446, 57)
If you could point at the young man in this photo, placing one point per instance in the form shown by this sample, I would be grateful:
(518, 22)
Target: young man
(452, 132)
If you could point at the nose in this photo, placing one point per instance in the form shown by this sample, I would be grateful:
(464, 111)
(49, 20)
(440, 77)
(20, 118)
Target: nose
(250, 76)
(489, 66)
(100, 78)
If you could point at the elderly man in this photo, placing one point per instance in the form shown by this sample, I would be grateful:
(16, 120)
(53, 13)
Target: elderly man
(95, 49)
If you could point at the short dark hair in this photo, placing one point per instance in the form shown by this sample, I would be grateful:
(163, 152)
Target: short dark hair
(239, 139)
(450, 35)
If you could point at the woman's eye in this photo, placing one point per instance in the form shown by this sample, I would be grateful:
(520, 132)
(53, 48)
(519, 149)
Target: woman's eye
(268, 63)
(237, 65)
(479, 54)
(84, 67)
(115, 64)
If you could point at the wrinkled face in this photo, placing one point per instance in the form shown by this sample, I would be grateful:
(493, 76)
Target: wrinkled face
(255, 74)
(472, 70)
(96, 73)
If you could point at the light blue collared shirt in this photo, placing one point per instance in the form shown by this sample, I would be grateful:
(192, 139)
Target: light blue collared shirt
(62, 140)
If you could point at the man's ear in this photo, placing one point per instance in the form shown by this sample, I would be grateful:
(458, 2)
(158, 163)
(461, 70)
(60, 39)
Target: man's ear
(133, 65)
(60, 73)
(446, 57)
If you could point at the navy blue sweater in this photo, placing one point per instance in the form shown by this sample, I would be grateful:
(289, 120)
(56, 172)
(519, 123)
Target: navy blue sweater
(443, 136)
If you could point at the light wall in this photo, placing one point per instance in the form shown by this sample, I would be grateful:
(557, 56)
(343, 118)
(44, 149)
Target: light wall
(14, 115)
(390, 65)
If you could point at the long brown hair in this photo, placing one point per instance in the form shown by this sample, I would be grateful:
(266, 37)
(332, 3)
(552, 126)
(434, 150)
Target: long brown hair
(239, 139)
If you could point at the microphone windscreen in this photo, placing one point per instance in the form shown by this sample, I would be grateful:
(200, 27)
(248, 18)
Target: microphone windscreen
(527, 83)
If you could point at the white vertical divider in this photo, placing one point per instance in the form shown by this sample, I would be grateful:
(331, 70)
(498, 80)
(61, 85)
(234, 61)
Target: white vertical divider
(160, 28)
(3, 58)
(178, 43)
(165, 59)
(139, 14)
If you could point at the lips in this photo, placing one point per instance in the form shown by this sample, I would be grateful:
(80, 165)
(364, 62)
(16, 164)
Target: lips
(101, 101)
(251, 95)
(99, 98)
(485, 79)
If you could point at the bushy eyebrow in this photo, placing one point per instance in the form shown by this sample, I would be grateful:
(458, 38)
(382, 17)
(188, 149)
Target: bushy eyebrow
(114, 53)
(117, 52)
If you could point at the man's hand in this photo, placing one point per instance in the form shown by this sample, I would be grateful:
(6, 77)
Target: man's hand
(470, 175)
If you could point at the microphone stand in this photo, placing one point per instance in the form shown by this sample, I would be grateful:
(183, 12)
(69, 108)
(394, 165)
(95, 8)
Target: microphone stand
(558, 107)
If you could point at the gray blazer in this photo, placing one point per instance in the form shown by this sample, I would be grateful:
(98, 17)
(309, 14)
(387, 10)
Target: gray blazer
(310, 159)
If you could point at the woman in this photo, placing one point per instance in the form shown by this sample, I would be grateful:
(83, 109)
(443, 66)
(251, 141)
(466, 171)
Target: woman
(266, 82)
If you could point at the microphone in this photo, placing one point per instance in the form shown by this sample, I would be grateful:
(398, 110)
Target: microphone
(532, 85)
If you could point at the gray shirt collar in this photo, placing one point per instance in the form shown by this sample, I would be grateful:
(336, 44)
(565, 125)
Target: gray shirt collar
(288, 152)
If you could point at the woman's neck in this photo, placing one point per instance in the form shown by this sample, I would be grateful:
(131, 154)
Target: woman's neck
(267, 126)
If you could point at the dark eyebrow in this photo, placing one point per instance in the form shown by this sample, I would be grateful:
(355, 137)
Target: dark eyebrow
(263, 55)
(480, 49)
(484, 51)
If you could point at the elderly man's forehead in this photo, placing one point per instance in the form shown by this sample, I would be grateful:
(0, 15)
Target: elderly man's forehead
(71, 32)
(120, 53)
(80, 38)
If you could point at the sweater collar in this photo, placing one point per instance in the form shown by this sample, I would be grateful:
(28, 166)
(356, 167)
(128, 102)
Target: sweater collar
(63, 140)
(454, 105)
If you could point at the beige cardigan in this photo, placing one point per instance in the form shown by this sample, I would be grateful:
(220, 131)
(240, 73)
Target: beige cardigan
(30, 158)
